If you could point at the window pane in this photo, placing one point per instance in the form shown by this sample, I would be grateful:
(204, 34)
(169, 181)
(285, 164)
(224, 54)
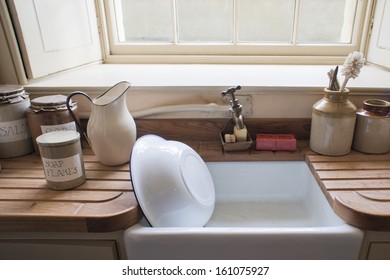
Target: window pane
(327, 22)
(204, 21)
(144, 20)
(265, 20)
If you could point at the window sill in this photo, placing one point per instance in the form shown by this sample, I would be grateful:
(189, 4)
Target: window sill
(160, 76)
(274, 91)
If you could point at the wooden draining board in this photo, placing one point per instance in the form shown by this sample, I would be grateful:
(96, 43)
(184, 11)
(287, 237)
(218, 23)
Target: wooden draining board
(104, 203)
(357, 185)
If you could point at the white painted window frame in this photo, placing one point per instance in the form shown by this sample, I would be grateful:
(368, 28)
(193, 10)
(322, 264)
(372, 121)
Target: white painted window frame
(116, 52)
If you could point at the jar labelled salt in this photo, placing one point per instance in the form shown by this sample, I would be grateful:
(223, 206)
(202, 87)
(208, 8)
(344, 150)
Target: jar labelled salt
(15, 137)
(49, 113)
(62, 159)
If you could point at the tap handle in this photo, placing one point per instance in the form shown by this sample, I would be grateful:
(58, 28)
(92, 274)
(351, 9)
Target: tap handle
(231, 91)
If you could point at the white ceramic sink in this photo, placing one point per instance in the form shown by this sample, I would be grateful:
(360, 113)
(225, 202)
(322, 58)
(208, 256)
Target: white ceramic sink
(263, 210)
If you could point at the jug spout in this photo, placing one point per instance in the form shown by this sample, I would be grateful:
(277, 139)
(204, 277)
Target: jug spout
(113, 94)
(111, 130)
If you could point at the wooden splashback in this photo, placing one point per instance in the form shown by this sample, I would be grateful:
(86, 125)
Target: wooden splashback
(209, 129)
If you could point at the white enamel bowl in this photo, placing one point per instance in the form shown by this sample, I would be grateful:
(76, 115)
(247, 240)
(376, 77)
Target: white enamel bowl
(171, 182)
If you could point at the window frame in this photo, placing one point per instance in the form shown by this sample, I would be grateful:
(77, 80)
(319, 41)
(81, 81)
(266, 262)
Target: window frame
(115, 52)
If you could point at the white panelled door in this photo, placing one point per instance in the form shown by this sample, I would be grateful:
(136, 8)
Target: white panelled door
(379, 45)
(55, 35)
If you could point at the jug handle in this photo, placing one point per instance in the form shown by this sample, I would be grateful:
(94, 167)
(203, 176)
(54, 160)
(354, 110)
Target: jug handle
(78, 124)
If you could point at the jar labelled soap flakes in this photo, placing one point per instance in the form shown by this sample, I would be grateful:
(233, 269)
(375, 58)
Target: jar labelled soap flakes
(48, 114)
(62, 159)
(15, 137)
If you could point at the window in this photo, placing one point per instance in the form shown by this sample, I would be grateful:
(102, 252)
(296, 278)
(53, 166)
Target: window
(272, 28)
(191, 31)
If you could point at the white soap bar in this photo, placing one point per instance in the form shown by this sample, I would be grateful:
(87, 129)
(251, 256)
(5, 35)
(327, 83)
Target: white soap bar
(230, 138)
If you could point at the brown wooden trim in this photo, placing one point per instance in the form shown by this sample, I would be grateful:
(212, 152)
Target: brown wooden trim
(209, 129)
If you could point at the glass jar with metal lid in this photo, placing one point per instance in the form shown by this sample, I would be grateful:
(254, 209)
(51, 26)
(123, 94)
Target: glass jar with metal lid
(372, 131)
(48, 114)
(15, 138)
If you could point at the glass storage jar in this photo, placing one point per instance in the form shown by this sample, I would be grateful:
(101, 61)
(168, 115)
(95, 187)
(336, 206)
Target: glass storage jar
(15, 138)
(49, 113)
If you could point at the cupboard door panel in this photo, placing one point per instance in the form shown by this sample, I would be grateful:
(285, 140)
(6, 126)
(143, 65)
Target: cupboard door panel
(379, 44)
(56, 35)
(58, 250)
(379, 251)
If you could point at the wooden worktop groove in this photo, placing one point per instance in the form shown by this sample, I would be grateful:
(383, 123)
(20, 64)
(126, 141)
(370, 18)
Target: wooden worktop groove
(104, 203)
(357, 185)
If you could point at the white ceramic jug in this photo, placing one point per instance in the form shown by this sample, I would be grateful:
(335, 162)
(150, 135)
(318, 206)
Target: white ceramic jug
(111, 130)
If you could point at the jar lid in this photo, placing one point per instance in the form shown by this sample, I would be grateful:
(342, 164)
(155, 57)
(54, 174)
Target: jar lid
(58, 138)
(377, 106)
(12, 94)
(50, 103)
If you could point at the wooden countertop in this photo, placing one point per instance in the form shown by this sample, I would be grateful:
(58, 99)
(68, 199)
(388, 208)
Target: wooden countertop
(104, 203)
(356, 185)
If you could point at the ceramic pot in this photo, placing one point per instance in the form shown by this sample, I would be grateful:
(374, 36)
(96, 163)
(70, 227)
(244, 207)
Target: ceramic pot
(49, 113)
(332, 124)
(372, 131)
(15, 137)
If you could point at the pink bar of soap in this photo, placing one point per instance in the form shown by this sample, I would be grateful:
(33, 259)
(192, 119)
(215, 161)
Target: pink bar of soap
(276, 142)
